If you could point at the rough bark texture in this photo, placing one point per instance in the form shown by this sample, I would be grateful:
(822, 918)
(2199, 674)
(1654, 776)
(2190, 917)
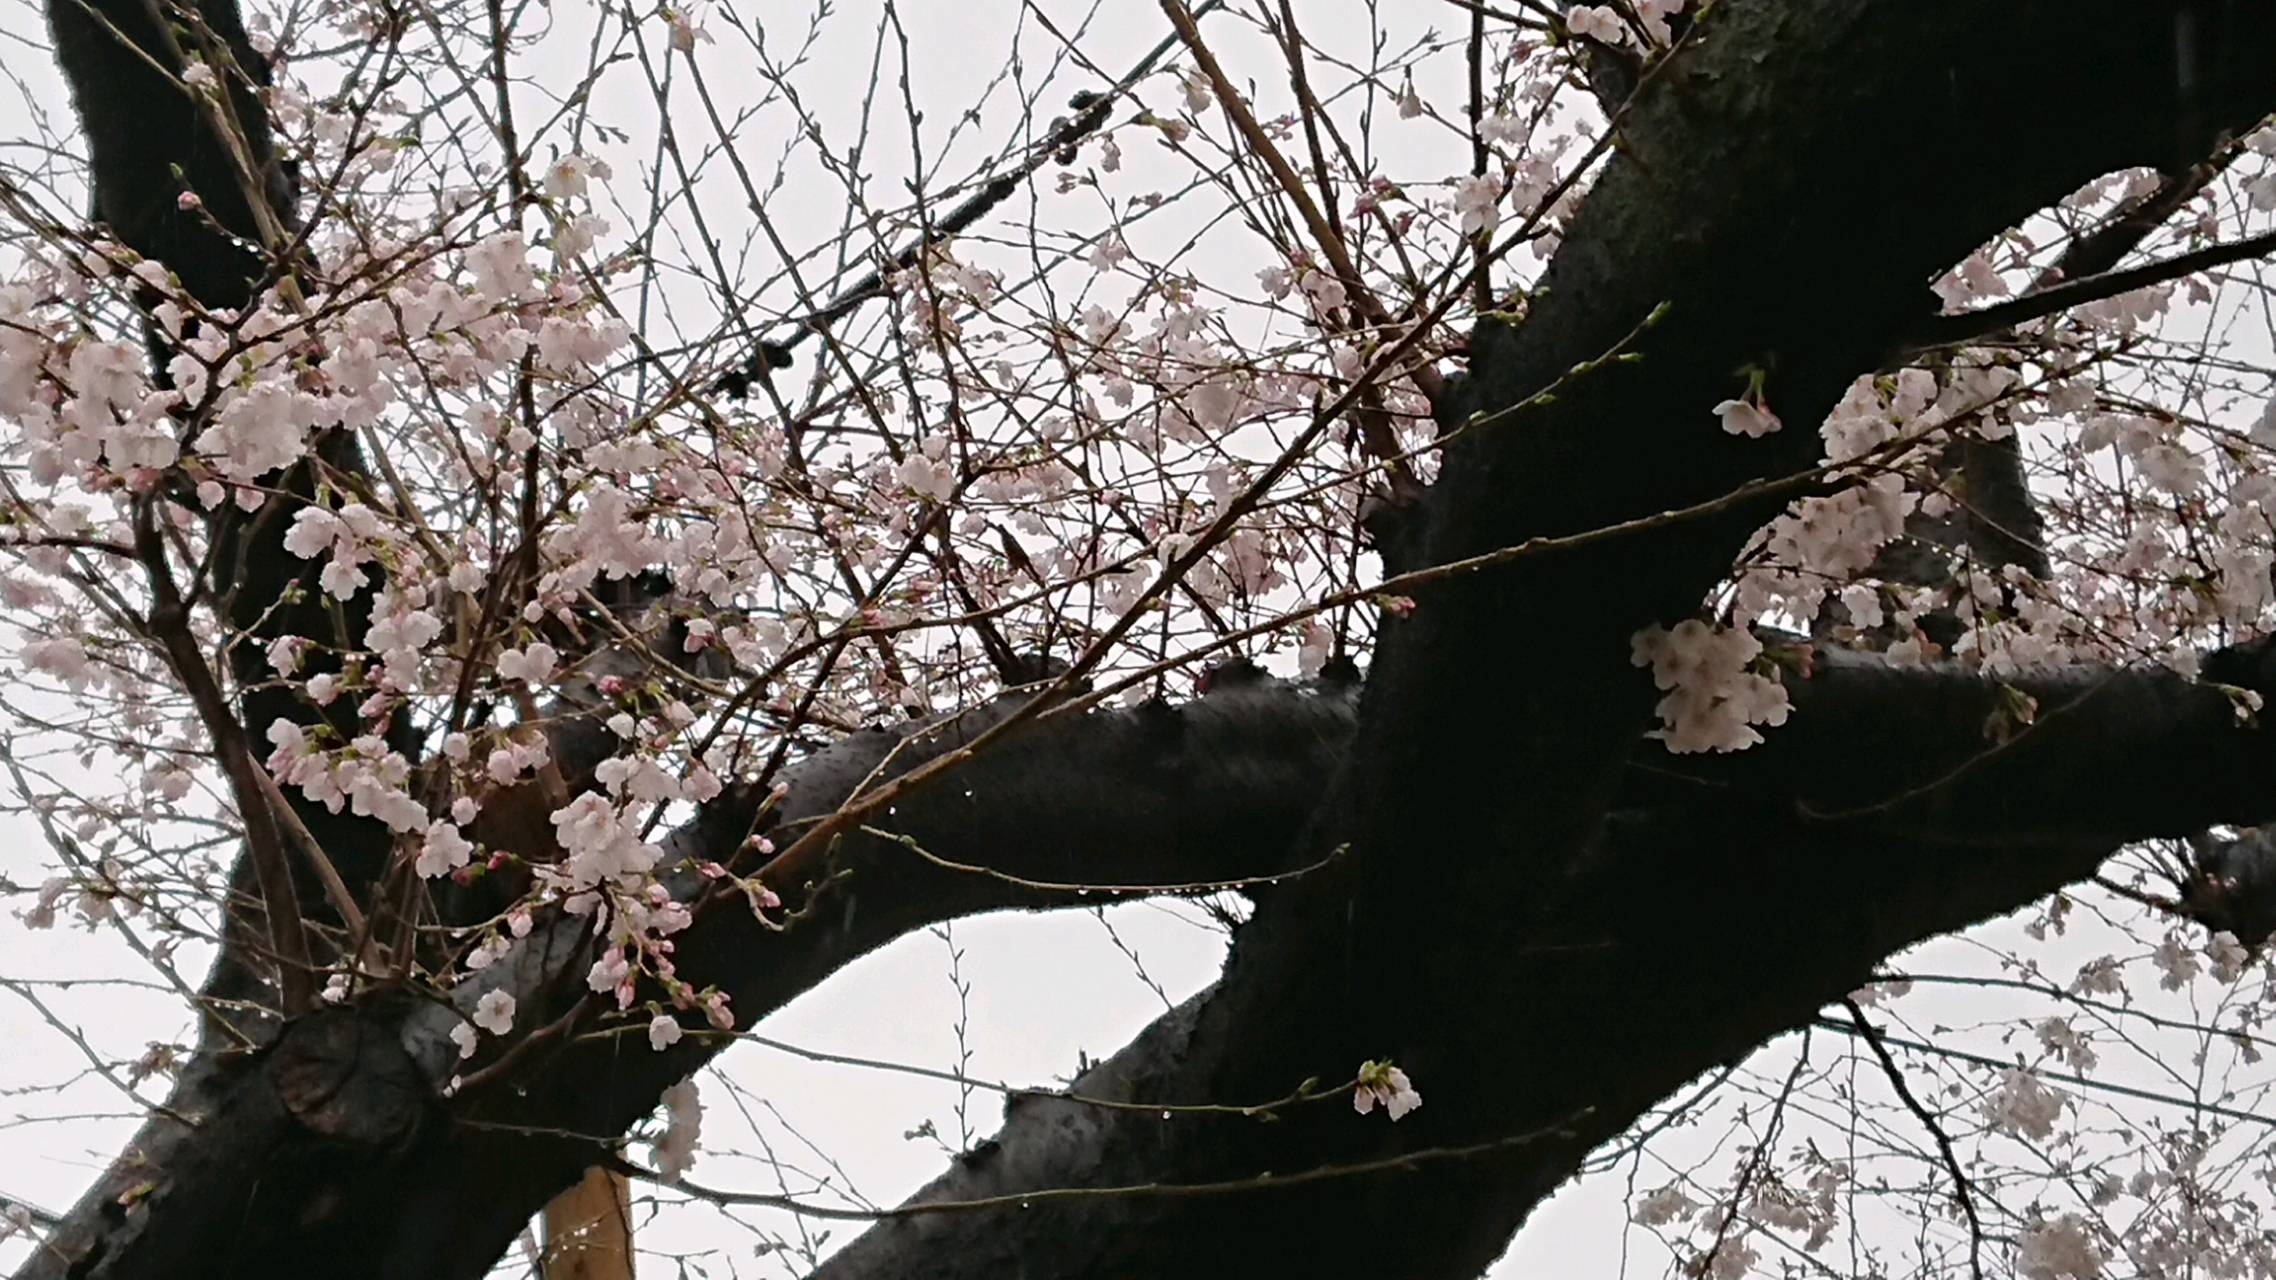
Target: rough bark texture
(1548, 938)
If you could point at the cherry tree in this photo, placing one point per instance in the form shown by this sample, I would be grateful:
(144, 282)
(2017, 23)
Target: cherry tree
(1579, 536)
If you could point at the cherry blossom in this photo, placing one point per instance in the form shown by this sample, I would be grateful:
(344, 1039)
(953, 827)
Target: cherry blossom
(2023, 1106)
(532, 665)
(2060, 1249)
(1596, 22)
(443, 851)
(683, 1121)
(1382, 1083)
(1715, 695)
(494, 1013)
(1745, 418)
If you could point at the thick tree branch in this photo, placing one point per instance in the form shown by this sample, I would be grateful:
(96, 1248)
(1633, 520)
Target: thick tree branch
(2078, 755)
(1210, 792)
(1702, 929)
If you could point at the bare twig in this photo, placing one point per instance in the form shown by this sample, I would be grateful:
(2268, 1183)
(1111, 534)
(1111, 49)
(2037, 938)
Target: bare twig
(1944, 331)
(1960, 1188)
(1323, 232)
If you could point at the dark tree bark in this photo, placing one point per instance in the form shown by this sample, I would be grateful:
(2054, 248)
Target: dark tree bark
(1548, 938)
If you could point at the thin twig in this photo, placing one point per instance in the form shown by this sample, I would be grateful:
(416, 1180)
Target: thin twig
(1944, 331)
(2065, 1077)
(1426, 379)
(1757, 1160)
(1407, 1162)
(912, 844)
(1092, 110)
(1960, 1189)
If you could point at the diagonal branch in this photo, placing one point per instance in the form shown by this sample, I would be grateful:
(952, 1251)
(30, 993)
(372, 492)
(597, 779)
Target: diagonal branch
(1896, 1075)
(1091, 112)
(1291, 185)
(1967, 326)
(169, 624)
